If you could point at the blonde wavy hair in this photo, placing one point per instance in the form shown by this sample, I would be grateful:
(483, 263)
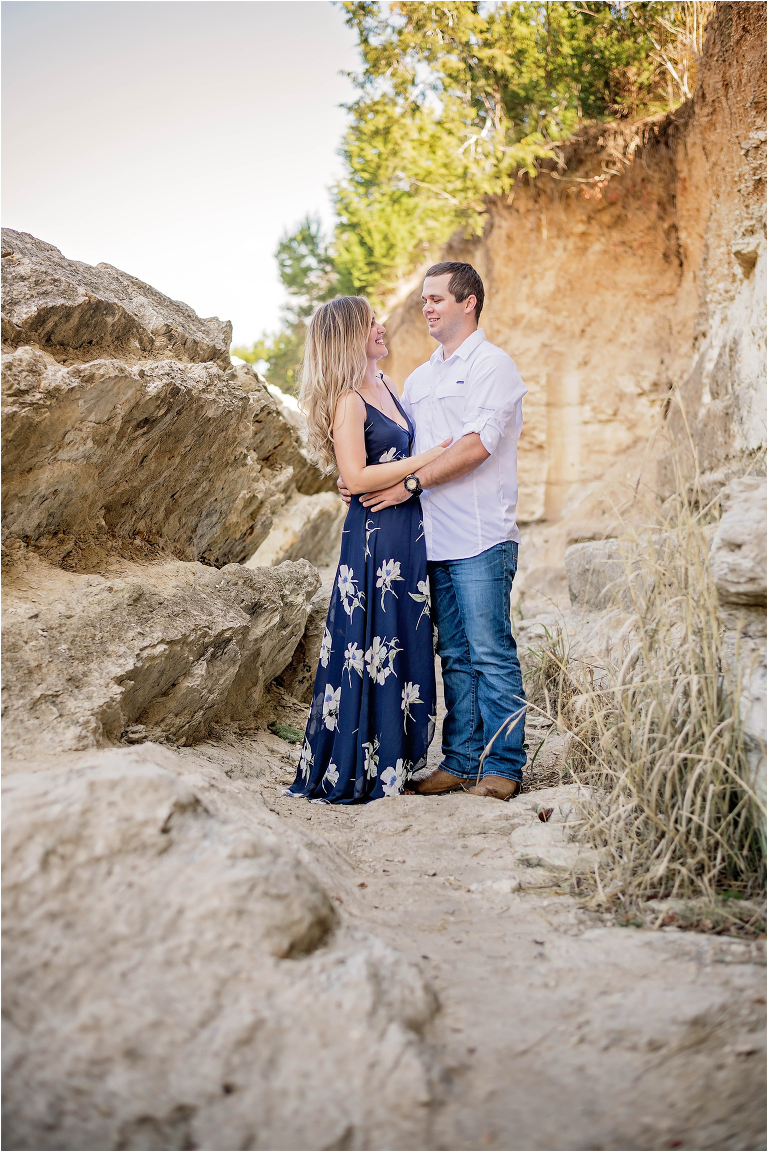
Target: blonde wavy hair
(334, 363)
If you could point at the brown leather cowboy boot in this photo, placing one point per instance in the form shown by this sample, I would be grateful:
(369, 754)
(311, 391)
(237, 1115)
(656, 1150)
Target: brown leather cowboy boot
(438, 783)
(499, 787)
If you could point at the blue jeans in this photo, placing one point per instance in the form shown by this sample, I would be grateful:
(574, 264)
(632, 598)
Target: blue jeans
(482, 680)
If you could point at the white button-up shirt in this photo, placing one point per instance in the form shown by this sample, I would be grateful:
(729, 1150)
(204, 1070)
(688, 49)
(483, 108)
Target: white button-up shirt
(477, 389)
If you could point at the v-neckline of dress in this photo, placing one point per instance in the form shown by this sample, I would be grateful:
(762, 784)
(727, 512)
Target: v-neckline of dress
(403, 427)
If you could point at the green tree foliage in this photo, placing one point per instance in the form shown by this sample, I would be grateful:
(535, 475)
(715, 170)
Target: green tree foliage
(306, 268)
(456, 100)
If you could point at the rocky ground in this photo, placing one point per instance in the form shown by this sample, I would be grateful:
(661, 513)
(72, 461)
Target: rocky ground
(554, 1028)
(259, 972)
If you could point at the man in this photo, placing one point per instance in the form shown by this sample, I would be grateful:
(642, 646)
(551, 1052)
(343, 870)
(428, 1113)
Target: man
(471, 391)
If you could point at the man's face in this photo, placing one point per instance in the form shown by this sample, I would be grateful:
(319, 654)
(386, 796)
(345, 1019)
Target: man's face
(444, 314)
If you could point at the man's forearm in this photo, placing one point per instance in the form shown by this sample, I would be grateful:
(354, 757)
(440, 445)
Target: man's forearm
(459, 460)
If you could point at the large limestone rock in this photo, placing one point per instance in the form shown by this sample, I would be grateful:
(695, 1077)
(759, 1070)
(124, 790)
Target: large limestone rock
(120, 474)
(151, 651)
(738, 551)
(596, 571)
(299, 676)
(305, 526)
(111, 448)
(738, 563)
(78, 312)
(164, 981)
(153, 440)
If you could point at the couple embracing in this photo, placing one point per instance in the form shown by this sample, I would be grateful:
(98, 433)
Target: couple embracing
(430, 538)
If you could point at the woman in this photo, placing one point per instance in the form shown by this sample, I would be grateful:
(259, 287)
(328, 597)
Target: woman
(373, 705)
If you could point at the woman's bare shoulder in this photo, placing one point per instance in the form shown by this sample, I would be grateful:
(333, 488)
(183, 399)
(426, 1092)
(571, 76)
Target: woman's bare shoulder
(349, 404)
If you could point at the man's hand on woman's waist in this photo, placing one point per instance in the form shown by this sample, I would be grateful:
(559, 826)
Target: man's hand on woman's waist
(459, 460)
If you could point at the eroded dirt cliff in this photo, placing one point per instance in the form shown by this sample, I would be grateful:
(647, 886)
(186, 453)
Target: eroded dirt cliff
(638, 267)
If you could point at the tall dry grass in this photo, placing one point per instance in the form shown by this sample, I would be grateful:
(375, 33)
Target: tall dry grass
(653, 716)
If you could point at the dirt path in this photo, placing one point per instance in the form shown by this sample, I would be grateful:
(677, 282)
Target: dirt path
(556, 1030)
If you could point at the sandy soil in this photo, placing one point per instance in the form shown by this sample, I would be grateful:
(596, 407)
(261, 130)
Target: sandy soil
(557, 1029)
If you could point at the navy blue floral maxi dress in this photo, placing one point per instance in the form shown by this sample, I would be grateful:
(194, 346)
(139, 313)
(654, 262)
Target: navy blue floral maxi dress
(373, 705)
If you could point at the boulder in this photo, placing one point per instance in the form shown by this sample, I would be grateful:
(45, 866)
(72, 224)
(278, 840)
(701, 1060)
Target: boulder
(80, 313)
(596, 571)
(108, 449)
(124, 420)
(540, 588)
(115, 450)
(306, 526)
(165, 984)
(299, 677)
(738, 564)
(738, 555)
(148, 651)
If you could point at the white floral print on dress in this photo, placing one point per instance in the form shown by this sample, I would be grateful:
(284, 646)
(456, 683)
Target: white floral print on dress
(375, 658)
(325, 648)
(388, 456)
(410, 696)
(371, 750)
(369, 530)
(389, 571)
(353, 660)
(351, 596)
(331, 775)
(422, 597)
(380, 658)
(331, 703)
(393, 779)
(306, 760)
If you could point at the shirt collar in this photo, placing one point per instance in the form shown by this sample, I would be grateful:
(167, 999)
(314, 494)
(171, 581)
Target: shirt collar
(463, 351)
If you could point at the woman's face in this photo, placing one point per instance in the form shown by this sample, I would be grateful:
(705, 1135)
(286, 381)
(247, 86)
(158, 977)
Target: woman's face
(376, 348)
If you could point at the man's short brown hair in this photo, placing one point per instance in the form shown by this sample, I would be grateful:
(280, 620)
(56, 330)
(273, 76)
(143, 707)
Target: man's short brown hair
(464, 282)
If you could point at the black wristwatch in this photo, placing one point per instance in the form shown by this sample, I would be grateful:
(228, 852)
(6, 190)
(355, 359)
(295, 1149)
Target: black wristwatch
(413, 485)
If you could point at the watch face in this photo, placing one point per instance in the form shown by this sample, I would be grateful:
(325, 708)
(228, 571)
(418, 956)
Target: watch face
(411, 483)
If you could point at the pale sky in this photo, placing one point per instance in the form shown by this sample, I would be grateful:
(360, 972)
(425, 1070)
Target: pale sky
(175, 139)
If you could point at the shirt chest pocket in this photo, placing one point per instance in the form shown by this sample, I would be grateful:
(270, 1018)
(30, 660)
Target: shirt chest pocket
(449, 401)
(421, 400)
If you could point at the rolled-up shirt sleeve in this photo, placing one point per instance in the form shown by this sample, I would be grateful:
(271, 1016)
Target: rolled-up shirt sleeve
(494, 401)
